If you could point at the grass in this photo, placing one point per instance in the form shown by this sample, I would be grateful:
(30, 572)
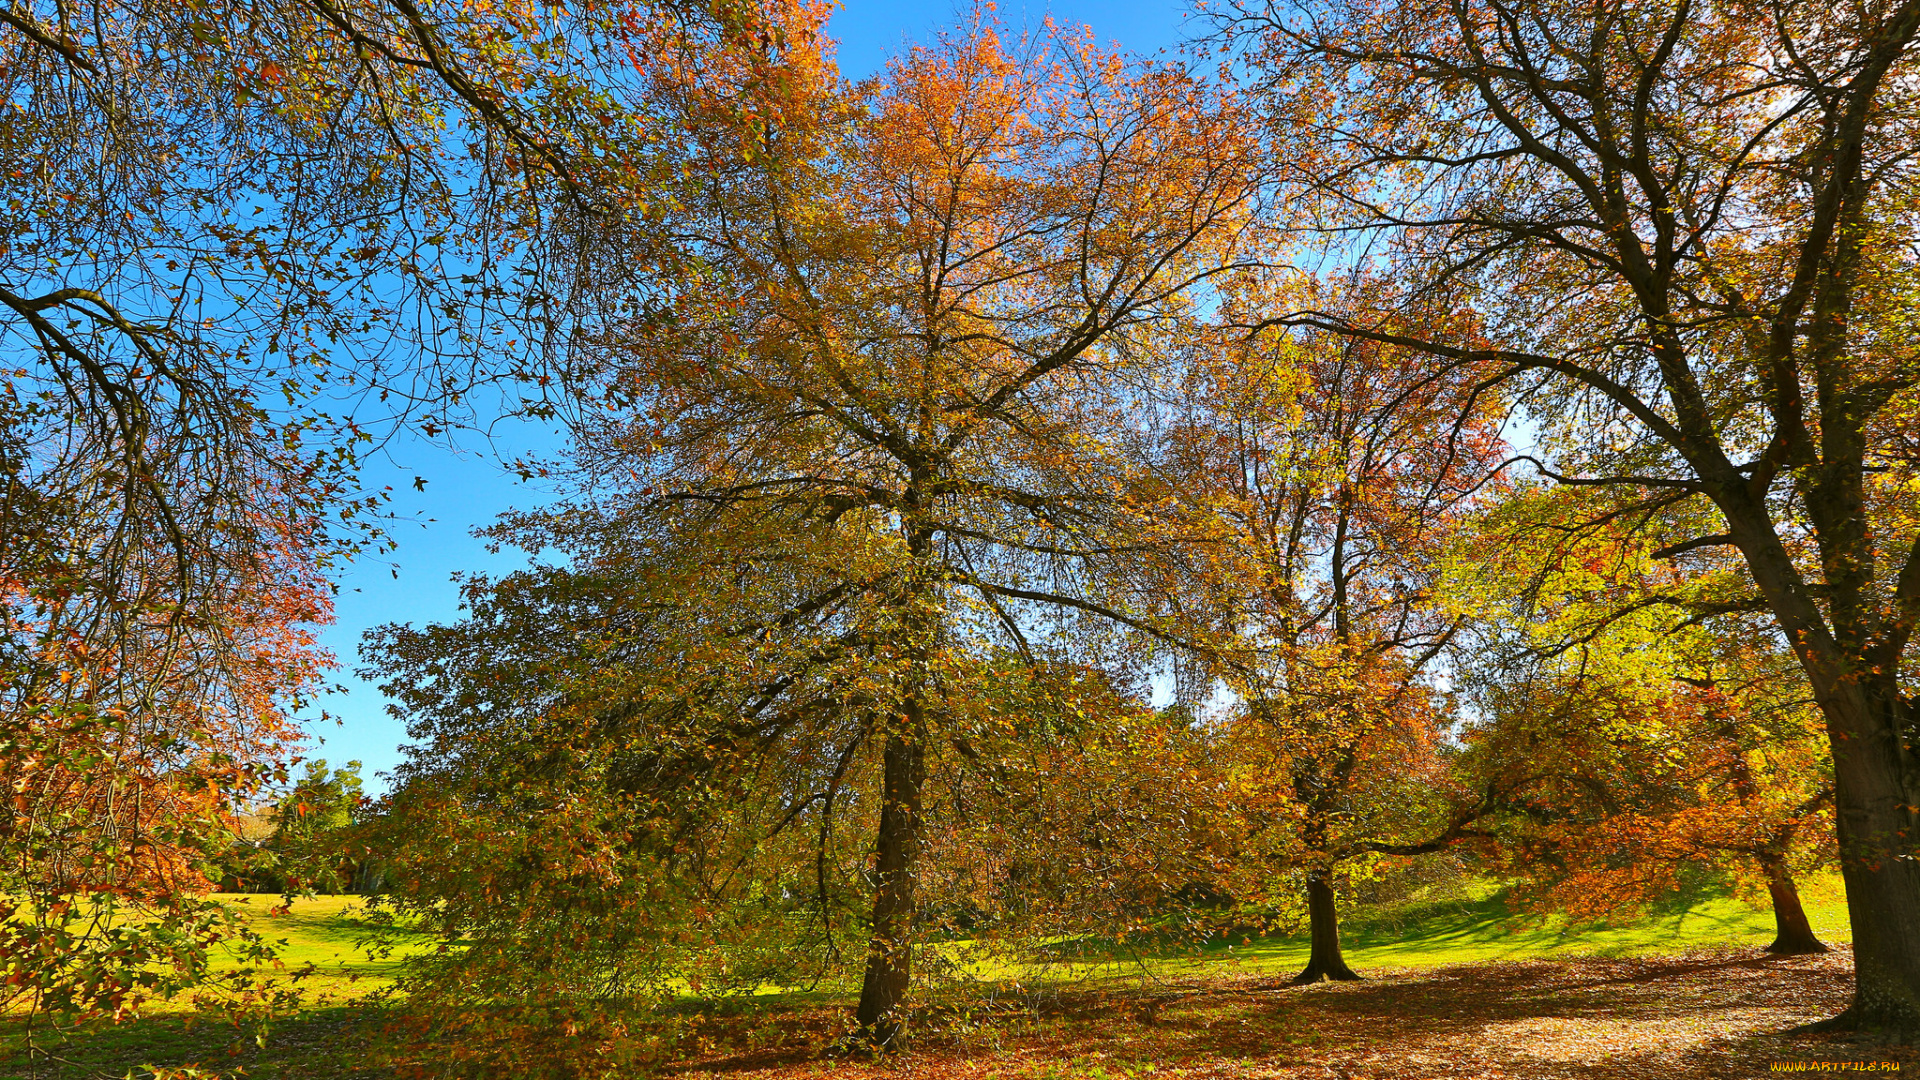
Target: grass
(319, 1042)
(320, 941)
(326, 937)
(1486, 929)
(1481, 928)
(331, 1033)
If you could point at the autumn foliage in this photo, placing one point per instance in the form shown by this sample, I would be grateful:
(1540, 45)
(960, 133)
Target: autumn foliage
(1030, 501)
(130, 749)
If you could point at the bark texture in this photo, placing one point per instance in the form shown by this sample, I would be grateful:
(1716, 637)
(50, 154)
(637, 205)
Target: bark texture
(883, 994)
(1325, 961)
(1876, 818)
(1792, 934)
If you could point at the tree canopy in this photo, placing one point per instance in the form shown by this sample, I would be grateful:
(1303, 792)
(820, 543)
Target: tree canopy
(1030, 493)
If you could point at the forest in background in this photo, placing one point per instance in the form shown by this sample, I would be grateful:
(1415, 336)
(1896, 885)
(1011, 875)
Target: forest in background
(1036, 494)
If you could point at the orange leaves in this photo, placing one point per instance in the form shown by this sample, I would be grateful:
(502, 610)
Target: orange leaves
(1632, 784)
(133, 746)
(965, 99)
(877, 440)
(1337, 472)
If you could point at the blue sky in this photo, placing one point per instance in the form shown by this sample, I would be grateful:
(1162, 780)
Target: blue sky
(466, 489)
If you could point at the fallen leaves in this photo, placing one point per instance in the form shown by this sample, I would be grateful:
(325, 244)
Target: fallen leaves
(1709, 1014)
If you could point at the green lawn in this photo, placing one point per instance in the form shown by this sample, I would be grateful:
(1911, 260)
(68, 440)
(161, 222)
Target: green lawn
(1424, 935)
(1481, 929)
(333, 1029)
(322, 954)
(329, 934)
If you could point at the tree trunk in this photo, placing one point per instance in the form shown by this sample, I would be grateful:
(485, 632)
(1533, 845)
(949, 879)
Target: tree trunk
(1792, 934)
(883, 995)
(1325, 961)
(1876, 825)
(1875, 783)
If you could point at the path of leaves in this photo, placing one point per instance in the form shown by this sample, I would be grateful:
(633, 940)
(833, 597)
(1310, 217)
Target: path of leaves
(1711, 1014)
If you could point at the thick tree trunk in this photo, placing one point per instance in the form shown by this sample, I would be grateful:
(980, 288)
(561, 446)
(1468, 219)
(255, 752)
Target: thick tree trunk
(1876, 825)
(1792, 934)
(1876, 786)
(1324, 961)
(883, 996)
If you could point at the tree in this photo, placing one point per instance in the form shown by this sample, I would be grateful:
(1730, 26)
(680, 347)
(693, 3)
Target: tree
(123, 767)
(890, 356)
(854, 423)
(1340, 473)
(1645, 785)
(306, 849)
(1688, 232)
(1641, 740)
(241, 242)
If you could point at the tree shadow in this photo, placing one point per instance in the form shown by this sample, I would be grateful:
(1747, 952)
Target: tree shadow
(1707, 1015)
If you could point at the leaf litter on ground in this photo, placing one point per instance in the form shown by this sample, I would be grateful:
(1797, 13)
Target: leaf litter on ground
(1705, 1014)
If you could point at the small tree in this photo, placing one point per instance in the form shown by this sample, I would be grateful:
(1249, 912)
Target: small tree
(1646, 728)
(306, 849)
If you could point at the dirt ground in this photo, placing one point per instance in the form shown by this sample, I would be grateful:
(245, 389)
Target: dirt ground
(1716, 1014)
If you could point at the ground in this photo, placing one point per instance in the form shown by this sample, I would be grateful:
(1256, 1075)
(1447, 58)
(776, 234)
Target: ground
(1453, 990)
(1707, 1014)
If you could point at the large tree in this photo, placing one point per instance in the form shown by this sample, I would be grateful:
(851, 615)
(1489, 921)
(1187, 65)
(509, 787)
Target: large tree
(241, 242)
(854, 398)
(1688, 228)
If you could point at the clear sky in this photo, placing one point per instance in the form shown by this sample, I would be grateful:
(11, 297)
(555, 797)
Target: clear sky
(465, 489)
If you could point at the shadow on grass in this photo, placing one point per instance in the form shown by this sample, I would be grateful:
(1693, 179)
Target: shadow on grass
(1704, 1015)
(323, 1042)
(1432, 928)
(1472, 1008)
(1709, 1015)
(1489, 927)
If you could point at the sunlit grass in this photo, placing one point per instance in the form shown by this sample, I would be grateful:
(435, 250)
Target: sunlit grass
(1485, 929)
(324, 944)
(1482, 927)
(323, 955)
(327, 935)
